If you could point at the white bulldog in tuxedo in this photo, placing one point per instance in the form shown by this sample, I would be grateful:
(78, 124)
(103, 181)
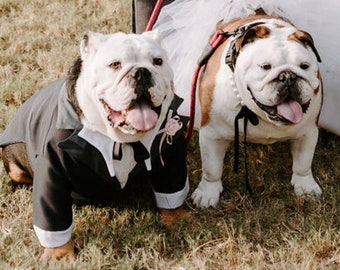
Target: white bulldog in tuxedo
(271, 68)
(111, 122)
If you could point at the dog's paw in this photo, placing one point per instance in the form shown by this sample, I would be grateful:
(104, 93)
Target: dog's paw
(64, 251)
(305, 185)
(169, 217)
(207, 194)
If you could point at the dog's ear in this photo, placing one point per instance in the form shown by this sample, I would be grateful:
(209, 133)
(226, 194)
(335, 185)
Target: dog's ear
(154, 34)
(260, 11)
(89, 43)
(305, 39)
(251, 35)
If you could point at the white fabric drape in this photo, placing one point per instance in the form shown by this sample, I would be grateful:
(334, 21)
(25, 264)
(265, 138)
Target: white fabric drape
(186, 25)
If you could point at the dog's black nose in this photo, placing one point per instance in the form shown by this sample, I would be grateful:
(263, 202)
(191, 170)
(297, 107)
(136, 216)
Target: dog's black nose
(288, 78)
(143, 82)
(142, 75)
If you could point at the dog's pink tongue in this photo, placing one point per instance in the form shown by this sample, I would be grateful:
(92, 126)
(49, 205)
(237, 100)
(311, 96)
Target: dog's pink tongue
(291, 110)
(142, 117)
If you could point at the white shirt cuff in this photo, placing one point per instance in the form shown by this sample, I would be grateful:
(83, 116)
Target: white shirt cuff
(51, 239)
(172, 200)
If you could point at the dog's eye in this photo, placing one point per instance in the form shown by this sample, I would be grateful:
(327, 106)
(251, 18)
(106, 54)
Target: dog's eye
(304, 66)
(266, 66)
(115, 65)
(158, 61)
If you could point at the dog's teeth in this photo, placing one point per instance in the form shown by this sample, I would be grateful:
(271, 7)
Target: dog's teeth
(106, 107)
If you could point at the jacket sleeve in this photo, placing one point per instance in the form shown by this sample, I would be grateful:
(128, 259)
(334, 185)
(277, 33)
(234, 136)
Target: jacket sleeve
(52, 202)
(168, 152)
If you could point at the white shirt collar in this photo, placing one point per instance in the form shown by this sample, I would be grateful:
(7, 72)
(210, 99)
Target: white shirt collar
(105, 146)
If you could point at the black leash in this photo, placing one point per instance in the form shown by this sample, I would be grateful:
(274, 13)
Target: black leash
(252, 117)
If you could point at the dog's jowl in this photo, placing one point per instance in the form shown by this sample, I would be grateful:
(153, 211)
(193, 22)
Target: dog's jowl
(113, 117)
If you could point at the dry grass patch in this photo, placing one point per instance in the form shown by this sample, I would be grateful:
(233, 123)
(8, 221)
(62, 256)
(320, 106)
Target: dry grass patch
(270, 230)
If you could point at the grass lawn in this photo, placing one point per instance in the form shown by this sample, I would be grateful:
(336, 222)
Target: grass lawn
(273, 229)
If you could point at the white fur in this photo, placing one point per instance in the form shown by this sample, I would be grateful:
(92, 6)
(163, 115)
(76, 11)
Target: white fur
(99, 81)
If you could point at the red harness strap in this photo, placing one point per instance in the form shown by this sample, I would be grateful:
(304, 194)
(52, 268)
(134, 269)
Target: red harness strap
(215, 41)
(154, 15)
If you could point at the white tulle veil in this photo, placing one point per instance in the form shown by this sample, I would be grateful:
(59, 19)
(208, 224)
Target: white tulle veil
(186, 25)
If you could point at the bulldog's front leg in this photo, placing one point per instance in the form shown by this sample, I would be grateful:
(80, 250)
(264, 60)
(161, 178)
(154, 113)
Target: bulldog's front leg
(303, 151)
(212, 154)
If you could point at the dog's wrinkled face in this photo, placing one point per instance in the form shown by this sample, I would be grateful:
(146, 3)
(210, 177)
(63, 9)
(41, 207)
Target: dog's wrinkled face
(276, 72)
(125, 84)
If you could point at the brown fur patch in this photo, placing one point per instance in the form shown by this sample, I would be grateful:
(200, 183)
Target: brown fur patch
(305, 39)
(18, 175)
(279, 26)
(71, 81)
(251, 35)
(207, 84)
(66, 250)
(169, 217)
(16, 163)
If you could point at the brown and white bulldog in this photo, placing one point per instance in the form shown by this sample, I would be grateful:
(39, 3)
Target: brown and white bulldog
(270, 67)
